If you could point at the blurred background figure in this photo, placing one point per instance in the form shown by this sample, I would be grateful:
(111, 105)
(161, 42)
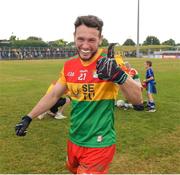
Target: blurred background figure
(132, 72)
(150, 86)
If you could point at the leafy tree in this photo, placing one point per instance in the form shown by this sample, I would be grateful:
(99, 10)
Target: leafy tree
(58, 43)
(62, 42)
(12, 38)
(170, 42)
(104, 42)
(129, 42)
(151, 40)
(28, 43)
(71, 44)
(34, 38)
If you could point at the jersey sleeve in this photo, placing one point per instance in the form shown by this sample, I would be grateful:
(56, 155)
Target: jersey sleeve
(62, 79)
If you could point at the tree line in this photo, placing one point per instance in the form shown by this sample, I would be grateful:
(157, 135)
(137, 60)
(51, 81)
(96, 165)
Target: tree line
(33, 41)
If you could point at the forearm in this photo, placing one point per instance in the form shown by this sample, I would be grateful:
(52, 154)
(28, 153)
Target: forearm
(43, 105)
(132, 91)
(48, 100)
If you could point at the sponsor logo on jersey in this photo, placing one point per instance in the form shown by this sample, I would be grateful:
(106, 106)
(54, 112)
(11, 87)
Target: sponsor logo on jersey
(70, 74)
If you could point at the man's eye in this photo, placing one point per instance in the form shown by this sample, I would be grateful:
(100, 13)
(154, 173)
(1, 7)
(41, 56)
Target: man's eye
(92, 41)
(80, 39)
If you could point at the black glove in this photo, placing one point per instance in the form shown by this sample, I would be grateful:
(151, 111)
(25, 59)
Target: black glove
(21, 127)
(107, 68)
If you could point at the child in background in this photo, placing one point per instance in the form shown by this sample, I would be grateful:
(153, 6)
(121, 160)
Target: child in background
(151, 88)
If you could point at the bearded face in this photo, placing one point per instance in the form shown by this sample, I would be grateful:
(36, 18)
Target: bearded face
(87, 40)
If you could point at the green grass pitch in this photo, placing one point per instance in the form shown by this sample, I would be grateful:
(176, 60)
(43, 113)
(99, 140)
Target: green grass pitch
(146, 142)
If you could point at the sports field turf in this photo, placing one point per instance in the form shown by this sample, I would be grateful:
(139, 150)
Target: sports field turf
(146, 142)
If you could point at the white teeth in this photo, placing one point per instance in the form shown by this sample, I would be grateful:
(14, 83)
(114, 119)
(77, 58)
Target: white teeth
(85, 51)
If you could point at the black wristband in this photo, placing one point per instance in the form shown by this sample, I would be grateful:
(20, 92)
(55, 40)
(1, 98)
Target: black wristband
(27, 118)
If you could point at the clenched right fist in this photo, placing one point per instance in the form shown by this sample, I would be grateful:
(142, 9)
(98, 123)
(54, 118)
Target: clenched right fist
(21, 127)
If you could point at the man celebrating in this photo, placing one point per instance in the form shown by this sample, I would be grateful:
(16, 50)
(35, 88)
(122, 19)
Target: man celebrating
(91, 78)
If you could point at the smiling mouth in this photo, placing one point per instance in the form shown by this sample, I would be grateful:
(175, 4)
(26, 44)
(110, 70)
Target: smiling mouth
(85, 51)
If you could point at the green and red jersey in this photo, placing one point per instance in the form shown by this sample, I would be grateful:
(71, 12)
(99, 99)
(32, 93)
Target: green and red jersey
(92, 115)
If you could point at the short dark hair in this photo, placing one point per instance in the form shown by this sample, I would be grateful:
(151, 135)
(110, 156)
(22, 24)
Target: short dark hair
(89, 21)
(149, 63)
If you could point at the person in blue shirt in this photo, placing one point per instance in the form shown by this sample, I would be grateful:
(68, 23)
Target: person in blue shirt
(151, 86)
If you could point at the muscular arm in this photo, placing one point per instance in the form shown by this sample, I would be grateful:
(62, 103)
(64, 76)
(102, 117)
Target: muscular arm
(132, 91)
(47, 101)
(108, 69)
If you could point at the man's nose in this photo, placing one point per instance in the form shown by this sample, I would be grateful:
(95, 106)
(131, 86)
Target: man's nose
(85, 45)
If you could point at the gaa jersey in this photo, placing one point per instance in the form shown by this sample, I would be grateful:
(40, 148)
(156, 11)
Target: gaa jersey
(92, 114)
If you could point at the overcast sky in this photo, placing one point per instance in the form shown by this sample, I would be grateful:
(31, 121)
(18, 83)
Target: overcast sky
(54, 19)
